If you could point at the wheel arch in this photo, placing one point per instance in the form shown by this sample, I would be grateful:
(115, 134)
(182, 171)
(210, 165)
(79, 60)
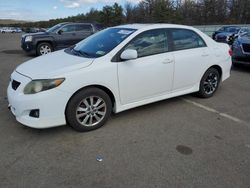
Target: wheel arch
(104, 88)
(45, 41)
(218, 68)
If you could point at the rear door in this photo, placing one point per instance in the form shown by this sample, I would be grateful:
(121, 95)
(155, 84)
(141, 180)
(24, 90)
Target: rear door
(191, 58)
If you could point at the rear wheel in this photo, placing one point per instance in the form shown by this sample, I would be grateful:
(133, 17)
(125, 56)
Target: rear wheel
(44, 48)
(209, 83)
(89, 109)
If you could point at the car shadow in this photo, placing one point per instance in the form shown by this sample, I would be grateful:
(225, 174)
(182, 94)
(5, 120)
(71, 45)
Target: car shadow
(145, 109)
(242, 68)
(12, 51)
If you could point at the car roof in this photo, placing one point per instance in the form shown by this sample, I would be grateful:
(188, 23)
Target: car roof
(151, 26)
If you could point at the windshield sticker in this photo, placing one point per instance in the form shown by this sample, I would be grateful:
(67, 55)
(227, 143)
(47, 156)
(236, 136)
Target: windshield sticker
(125, 32)
(100, 53)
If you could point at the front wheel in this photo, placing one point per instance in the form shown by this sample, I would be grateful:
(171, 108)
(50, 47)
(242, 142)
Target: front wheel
(209, 83)
(89, 109)
(44, 48)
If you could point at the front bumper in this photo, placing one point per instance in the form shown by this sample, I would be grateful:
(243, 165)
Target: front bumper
(51, 104)
(28, 47)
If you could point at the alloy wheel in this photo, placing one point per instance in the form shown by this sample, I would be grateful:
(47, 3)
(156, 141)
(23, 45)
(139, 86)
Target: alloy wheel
(91, 111)
(210, 84)
(45, 49)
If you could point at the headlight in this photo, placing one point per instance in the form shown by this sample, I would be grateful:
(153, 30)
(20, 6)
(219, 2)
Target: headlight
(36, 86)
(28, 38)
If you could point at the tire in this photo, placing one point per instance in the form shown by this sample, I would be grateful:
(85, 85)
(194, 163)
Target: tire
(44, 48)
(209, 83)
(84, 115)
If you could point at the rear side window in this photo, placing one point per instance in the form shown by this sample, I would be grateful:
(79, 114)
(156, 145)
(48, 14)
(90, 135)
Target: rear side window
(186, 39)
(83, 28)
(149, 43)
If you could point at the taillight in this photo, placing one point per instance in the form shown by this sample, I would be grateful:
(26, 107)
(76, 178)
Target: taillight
(230, 51)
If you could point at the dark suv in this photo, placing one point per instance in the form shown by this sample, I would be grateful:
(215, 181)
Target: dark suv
(58, 37)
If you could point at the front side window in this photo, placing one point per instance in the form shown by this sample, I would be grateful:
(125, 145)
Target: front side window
(54, 28)
(186, 39)
(68, 28)
(149, 43)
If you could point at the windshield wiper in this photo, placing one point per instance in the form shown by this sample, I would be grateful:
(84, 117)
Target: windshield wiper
(80, 53)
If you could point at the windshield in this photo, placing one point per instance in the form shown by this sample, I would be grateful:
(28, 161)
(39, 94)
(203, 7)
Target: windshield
(54, 28)
(232, 29)
(222, 29)
(102, 42)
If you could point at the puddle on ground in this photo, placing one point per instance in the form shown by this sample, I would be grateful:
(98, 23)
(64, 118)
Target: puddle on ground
(185, 150)
(12, 51)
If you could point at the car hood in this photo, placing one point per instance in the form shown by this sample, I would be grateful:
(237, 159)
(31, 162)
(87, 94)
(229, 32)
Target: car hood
(51, 65)
(224, 34)
(35, 34)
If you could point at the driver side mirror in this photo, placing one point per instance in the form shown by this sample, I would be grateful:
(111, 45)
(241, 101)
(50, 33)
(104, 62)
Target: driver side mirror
(60, 32)
(129, 54)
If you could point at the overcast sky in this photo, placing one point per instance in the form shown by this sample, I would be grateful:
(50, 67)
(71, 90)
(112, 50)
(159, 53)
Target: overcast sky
(35, 10)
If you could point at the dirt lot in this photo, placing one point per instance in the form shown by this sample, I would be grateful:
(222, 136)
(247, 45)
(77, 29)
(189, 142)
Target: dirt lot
(181, 142)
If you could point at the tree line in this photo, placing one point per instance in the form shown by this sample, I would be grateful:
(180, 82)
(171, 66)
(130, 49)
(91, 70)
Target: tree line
(188, 12)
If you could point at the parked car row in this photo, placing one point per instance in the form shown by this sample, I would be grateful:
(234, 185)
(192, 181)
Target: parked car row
(227, 34)
(239, 40)
(10, 30)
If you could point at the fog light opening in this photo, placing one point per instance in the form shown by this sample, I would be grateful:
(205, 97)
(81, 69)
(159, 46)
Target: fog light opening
(34, 113)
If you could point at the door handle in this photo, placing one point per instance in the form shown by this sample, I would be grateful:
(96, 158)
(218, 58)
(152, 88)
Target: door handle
(167, 61)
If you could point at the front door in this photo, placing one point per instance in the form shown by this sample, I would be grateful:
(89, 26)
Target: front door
(67, 37)
(151, 74)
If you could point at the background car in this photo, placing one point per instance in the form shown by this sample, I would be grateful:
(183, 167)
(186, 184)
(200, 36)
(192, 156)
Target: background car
(241, 50)
(221, 30)
(224, 36)
(58, 37)
(242, 31)
(8, 30)
(18, 30)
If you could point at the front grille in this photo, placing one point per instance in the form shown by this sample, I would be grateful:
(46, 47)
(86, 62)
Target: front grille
(246, 48)
(15, 84)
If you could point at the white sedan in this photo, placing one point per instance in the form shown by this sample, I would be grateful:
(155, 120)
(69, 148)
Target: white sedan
(114, 70)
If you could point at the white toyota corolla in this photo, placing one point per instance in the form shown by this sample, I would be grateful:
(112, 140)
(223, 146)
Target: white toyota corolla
(114, 70)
